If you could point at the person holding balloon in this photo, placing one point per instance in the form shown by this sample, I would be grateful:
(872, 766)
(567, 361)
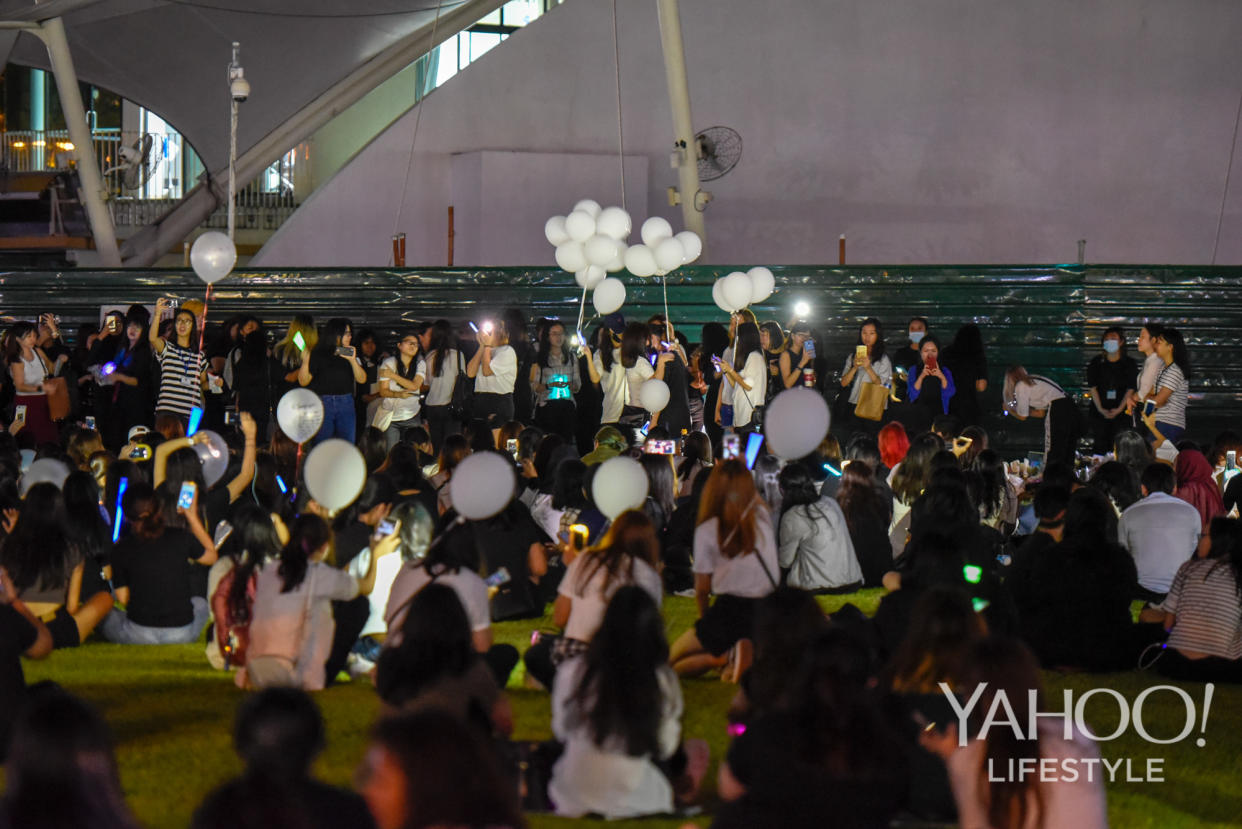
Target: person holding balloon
(749, 375)
(494, 368)
(183, 368)
(621, 371)
(675, 414)
(331, 369)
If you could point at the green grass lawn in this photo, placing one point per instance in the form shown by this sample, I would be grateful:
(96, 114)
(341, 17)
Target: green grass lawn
(172, 716)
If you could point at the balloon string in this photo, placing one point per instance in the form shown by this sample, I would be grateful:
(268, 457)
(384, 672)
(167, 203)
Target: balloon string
(664, 282)
(202, 331)
(297, 468)
(581, 310)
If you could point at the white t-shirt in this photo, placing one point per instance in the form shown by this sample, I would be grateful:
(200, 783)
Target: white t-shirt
(385, 572)
(620, 385)
(402, 408)
(1038, 396)
(1152, 367)
(413, 577)
(755, 373)
(1161, 532)
(504, 365)
(741, 575)
(591, 600)
(440, 391)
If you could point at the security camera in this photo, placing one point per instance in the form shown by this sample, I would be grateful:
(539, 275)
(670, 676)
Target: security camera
(239, 88)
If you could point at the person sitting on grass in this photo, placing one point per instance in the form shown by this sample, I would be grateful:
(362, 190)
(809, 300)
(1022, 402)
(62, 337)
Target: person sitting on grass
(1203, 611)
(49, 568)
(151, 573)
(735, 558)
(816, 551)
(436, 665)
(617, 708)
(61, 770)
(252, 541)
(277, 734)
(629, 553)
(21, 634)
(827, 751)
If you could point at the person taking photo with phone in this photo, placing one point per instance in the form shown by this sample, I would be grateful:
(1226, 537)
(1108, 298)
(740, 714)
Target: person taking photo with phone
(183, 368)
(401, 378)
(932, 388)
(494, 368)
(867, 364)
(29, 367)
(331, 369)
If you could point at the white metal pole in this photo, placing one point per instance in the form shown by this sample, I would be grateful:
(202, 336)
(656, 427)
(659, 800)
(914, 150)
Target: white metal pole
(232, 165)
(92, 193)
(683, 126)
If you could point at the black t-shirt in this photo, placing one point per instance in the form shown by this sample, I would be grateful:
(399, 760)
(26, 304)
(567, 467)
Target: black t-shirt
(505, 541)
(330, 374)
(157, 573)
(16, 636)
(676, 415)
(254, 802)
(1111, 379)
(350, 541)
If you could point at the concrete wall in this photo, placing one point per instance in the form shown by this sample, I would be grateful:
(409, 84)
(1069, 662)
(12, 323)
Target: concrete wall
(934, 131)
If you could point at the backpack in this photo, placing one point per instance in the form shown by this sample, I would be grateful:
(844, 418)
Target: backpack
(232, 634)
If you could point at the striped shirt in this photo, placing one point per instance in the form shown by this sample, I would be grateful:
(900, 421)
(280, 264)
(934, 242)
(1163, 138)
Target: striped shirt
(180, 370)
(1173, 411)
(1204, 597)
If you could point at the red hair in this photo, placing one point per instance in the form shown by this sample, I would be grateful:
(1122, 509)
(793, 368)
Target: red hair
(894, 443)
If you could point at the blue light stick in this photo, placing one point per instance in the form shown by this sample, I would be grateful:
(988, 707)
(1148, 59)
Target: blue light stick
(754, 442)
(118, 513)
(196, 417)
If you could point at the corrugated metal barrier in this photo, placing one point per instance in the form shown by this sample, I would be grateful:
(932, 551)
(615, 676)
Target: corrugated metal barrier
(1048, 318)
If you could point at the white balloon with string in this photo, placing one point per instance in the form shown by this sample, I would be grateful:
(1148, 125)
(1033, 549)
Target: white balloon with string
(590, 276)
(212, 256)
(213, 454)
(795, 423)
(669, 255)
(608, 296)
(640, 261)
(571, 257)
(554, 231)
(736, 290)
(334, 472)
(299, 414)
(654, 395)
(590, 207)
(482, 485)
(618, 262)
(619, 484)
(719, 298)
(691, 244)
(600, 249)
(655, 230)
(762, 284)
(614, 222)
(580, 225)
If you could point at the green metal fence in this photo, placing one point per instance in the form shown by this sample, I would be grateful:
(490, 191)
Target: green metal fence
(1048, 318)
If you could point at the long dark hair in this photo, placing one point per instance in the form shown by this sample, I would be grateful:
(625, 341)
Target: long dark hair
(1180, 355)
(442, 341)
(857, 496)
(942, 628)
(747, 341)
(251, 544)
(1226, 535)
(308, 534)
(620, 694)
(143, 512)
(435, 643)
(61, 770)
(915, 469)
(545, 344)
(799, 489)
(987, 483)
(787, 620)
(39, 550)
(1118, 482)
(662, 481)
(634, 344)
(410, 372)
(12, 348)
(877, 350)
(332, 333)
(84, 522)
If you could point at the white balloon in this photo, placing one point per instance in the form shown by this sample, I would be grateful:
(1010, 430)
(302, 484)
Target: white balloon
(640, 260)
(571, 257)
(44, 471)
(620, 484)
(718, 296)
(590, 207)
(762, 284)
(669, 255)
(590, 276)
(608, 296)
(600, 249)
(300, 414)
(580, 225)
(618, 262)
(692, 244)
(334, 473)
(213, 256)
(655, 230)
(555, 232)
(796, 421)
(736, 290)
(654, 395)
(614, 222)
(482, 485)
(213, 455)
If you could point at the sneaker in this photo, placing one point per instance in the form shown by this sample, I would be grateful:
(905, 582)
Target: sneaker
(741, 655)
(688, 593)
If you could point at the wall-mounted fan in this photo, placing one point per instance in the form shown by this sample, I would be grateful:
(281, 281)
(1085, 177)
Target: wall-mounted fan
(719, 149)
(138, 161)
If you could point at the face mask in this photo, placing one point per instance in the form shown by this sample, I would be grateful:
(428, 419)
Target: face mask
(916, 337)
(1111, 346)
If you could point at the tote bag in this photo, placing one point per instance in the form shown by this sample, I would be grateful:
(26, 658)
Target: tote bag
(872, 400)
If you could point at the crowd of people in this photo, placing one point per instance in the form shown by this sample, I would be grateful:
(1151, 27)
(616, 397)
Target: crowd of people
(991, 568)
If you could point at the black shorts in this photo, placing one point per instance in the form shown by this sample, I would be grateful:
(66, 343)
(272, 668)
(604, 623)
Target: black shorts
(729, 619)
(494, 409)
(64, 630)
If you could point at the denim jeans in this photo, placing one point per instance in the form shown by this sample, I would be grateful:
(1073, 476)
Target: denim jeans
(338, 418)
(116, 627)
(395, 429)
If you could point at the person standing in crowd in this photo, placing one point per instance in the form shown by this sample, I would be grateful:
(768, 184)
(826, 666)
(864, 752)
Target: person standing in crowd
(906, 363)
(127, 386)
(331, 369)
(367, 392)
(183, 368)
(29, 367)
(675, 416)
(555, 380)
(494, 369)
(967, 360)
(772, 341)
(401, 379)
(799, 355)
(735, 557)
(445, 369)
(524, 351)
(1111, 378)
(617, 708)
(1171, 389)
(620, 372)
(866, 364)
(713, 341)
(932, 388)
(816, 552)
(748, 373)
(301, 336)
(1152, 364)
(1032, 395)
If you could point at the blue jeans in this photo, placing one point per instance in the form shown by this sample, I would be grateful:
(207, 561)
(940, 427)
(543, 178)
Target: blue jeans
(339, 418)
(116, 627)
(395, 429)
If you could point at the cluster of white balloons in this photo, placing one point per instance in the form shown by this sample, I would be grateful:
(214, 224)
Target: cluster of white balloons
(737, 290)
(661, 251)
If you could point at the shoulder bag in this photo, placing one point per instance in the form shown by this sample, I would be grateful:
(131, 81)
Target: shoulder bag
(57, 391)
